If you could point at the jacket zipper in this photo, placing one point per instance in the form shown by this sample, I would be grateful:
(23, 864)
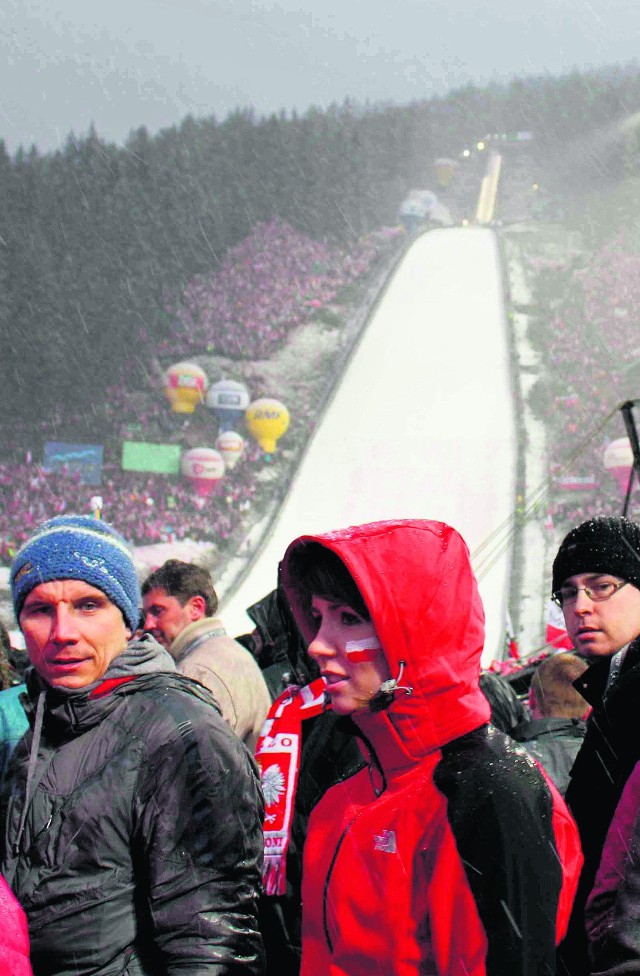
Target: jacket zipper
(341, 839)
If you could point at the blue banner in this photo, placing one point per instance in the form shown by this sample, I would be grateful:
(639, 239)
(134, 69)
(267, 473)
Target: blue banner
(84, 458)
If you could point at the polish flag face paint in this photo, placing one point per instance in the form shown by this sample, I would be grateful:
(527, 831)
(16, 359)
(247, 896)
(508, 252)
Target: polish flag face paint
(364, 650)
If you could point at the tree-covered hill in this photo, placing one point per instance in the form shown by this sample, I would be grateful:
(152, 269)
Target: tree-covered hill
(98, 242)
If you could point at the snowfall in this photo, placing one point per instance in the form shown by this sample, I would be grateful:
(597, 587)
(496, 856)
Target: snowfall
(421, 424)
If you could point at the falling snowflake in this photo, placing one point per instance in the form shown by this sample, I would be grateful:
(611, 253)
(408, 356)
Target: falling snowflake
(272, 784)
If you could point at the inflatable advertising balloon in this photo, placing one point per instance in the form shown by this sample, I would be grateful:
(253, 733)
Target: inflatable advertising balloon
(185, 386)
(228, 399)
(230, 445)
(267, 420)
(618, 461)
(202, 467)
(416, 208)
(445, 170)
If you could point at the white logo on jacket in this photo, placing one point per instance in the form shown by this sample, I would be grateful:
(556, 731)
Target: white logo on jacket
(386, 842)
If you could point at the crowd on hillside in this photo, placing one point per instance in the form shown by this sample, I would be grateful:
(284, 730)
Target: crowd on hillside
(268, 284)
(147, 508)
(274, 280)
(592, 364)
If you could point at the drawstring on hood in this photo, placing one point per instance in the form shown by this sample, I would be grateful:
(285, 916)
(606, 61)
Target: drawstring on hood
(386, 693)
(31, 769)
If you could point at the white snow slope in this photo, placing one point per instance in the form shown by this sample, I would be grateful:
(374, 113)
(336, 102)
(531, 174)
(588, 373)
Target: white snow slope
(421, 425)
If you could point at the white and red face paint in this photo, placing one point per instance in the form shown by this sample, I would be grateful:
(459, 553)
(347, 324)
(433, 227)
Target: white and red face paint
(362, 651)
(348, 653)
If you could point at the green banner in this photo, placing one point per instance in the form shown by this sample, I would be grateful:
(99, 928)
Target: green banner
(158, 458)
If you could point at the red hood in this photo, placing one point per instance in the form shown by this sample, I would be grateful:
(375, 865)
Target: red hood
(416, 579)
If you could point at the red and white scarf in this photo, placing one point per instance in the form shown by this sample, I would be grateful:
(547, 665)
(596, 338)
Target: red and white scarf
(278, 757)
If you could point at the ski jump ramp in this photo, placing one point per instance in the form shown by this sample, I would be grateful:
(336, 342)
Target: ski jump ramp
(421, 425)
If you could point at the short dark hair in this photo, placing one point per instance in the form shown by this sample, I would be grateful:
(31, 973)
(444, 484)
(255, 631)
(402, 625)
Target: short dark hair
(315, 570)
(507, 710)
(183, 581)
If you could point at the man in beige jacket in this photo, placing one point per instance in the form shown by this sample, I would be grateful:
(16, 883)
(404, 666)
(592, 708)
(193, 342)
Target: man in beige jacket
(179, 603)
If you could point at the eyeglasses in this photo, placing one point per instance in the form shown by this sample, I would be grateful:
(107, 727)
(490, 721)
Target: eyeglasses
(598, 592)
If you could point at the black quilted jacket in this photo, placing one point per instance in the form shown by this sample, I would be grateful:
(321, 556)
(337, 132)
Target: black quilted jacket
(141, 847)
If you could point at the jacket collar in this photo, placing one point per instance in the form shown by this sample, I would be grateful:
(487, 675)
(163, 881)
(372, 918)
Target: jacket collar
(593, 682)
(194, 633)
(533, 727)
(75, 710)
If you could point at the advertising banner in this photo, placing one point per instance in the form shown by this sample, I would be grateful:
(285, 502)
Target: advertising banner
(155, 458)
(83, 458)
(574, 482)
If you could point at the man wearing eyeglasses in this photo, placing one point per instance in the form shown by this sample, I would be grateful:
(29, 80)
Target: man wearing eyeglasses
(596, 581)
(598, 627)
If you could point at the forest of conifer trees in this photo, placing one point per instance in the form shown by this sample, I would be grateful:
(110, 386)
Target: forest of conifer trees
(97, 241)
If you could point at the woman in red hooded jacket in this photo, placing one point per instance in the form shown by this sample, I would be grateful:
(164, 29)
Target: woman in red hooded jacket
(449, 853)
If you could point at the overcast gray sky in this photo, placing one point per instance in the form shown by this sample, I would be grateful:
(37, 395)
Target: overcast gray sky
(125, 63)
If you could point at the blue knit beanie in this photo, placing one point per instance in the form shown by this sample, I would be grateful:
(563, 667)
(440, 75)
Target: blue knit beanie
(78, 547)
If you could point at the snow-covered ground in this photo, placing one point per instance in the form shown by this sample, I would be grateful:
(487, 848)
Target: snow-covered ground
(539, 545)
(421, 425)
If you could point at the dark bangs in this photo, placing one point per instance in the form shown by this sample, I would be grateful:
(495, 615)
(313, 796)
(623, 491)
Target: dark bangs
(316, 571)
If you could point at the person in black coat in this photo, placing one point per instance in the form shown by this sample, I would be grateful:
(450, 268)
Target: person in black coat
(596, 581)
(132, 813)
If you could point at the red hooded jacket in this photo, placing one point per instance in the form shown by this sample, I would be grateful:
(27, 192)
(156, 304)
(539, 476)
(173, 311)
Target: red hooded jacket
(14, 941)
(450, 854)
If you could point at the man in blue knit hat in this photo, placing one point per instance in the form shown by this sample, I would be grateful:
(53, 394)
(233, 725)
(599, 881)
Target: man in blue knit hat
(76, 596)
(132, 816)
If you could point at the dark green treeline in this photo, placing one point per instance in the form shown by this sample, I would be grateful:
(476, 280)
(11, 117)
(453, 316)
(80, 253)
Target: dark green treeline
(94, 239)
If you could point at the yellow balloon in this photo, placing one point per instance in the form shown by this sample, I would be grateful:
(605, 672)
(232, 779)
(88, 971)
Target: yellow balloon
(185, 386)
(267, 420)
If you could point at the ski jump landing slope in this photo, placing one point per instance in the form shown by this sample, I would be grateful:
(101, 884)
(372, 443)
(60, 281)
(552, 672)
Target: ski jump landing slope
(421, 424)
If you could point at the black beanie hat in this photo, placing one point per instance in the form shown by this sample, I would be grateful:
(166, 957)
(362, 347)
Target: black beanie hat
(601, 545)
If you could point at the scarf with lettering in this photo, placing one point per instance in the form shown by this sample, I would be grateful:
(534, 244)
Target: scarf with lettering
(278, 757)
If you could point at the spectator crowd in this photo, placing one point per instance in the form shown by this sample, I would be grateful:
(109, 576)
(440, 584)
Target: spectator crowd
(150, 508)
(268, 284)
(590, 351)
(271, 282)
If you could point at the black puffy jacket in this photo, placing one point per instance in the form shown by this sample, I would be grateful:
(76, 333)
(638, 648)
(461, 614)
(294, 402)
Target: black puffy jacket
(605, 761)
(141, 847)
